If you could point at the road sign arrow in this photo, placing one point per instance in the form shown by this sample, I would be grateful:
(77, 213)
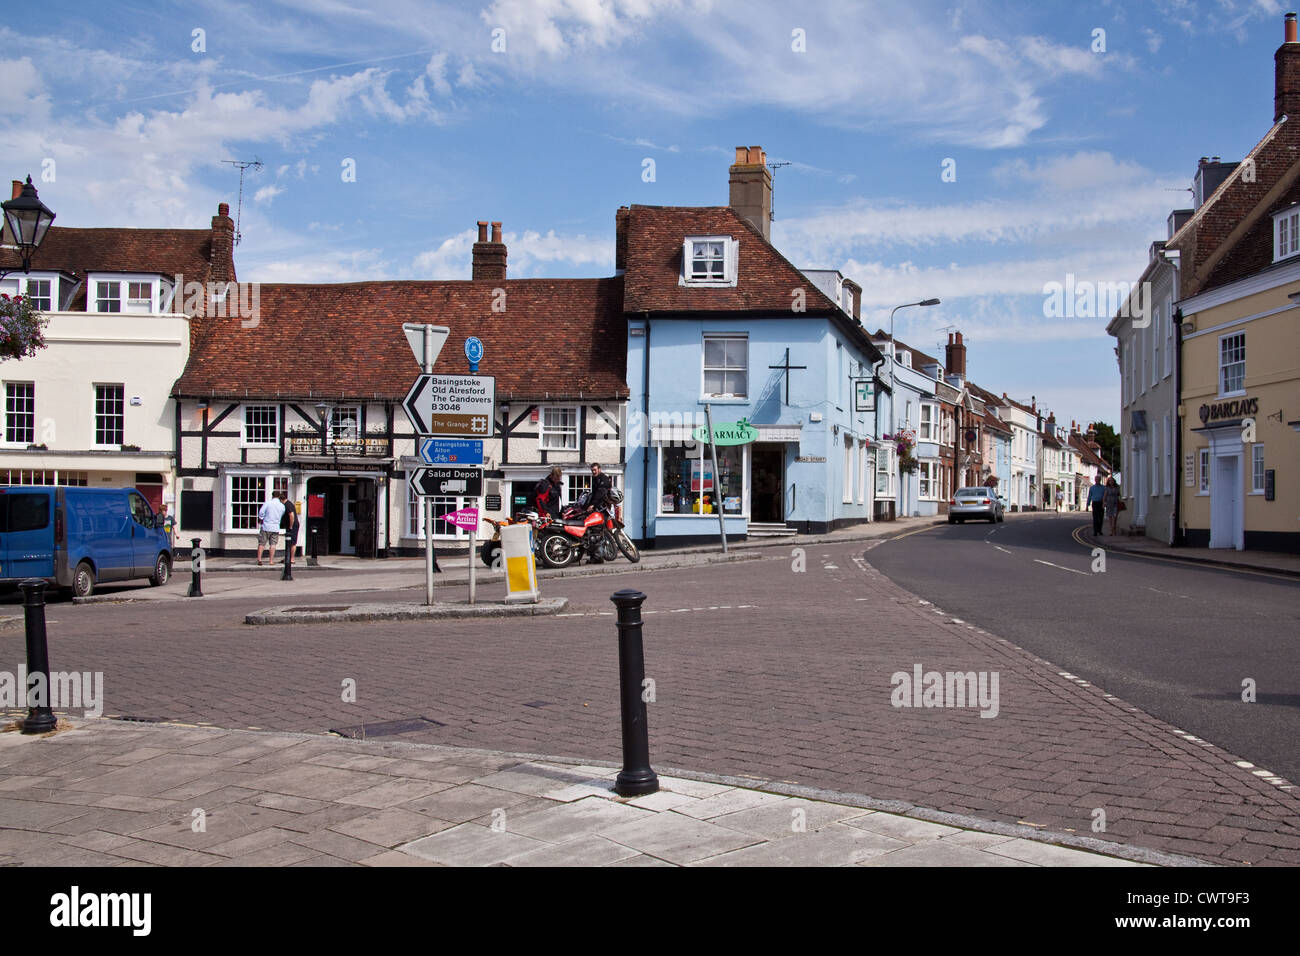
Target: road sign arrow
(411, 405)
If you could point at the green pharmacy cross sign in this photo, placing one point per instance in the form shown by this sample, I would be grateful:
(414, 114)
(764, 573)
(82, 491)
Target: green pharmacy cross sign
(727, 433)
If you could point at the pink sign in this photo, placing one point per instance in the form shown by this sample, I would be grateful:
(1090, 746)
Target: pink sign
(466, 518)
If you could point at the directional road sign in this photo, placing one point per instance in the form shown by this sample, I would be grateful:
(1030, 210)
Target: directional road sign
(453, 405)
(448, 482)
(451, 451)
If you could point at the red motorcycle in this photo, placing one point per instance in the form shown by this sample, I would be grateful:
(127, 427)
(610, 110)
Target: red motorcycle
(584, 531)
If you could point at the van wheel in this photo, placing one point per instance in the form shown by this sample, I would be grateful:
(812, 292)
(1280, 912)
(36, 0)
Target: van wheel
(83, 580)
(162, 571)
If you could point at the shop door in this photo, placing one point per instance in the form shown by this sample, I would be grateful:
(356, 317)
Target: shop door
(347, 517)
(767, 498)
(1225, 492)
(365, 518)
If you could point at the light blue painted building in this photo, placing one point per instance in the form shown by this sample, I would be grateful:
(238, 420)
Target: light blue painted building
(717, 316)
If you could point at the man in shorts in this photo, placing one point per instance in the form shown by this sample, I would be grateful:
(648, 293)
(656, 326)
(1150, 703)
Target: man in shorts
(268, 535)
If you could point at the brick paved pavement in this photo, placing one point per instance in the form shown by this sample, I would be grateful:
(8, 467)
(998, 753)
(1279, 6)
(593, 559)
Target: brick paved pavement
(758, 671)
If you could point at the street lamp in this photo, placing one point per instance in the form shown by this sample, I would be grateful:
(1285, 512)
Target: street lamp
(28, 220)
(893, 356)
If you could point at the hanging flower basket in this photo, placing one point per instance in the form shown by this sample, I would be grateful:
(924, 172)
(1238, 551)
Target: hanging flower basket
(21, 328)
(904, 442)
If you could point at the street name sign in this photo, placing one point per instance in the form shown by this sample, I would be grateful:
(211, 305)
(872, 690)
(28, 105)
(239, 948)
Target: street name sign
(448, 482)
(453, 405)
(451, 451)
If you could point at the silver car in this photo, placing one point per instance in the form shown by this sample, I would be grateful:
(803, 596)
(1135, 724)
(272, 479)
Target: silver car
(974, 503)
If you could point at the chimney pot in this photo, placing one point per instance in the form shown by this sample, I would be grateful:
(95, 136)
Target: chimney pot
(1289, 28)
(223, 209)
(17, 188)
(750, 189)
(482, 230)
(496, 232)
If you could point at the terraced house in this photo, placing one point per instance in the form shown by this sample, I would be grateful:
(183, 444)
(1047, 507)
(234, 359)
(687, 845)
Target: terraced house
(94, 407)
(309, 400)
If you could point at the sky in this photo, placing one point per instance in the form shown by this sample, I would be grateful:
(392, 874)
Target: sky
(969, 151)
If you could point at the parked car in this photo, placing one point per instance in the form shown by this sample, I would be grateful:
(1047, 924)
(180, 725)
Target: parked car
(974, 503)
(77, 538)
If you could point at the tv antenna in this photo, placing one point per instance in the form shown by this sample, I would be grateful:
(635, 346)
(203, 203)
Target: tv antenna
(771, 216)
(243, 164)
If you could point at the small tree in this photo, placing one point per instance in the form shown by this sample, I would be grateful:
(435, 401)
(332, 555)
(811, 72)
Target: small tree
(21, 327)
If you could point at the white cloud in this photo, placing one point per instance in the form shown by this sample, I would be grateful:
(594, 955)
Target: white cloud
(267, 193)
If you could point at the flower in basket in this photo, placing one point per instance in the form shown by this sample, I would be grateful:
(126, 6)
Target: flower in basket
(21, 327)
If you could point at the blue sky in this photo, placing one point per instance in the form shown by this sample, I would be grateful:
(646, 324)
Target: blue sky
(1067, 159)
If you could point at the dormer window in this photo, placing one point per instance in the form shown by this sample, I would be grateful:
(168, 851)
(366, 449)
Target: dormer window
(123, 293)
(905, 359)
(1286, 233)
(709, 261)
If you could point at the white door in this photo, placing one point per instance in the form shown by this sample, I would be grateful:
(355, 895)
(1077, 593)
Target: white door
(1225, 502)
(1140, 490)
(348, 524)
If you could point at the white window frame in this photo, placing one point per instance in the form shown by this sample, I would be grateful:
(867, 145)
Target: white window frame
(1223, 339)
(95, 429)
(18, 443)
(123, 280)
(1286, 233)
(847, 497)
(1155, 348)
(696, 450)
(547, 437)
(730, 259)
(705, 368)
(928, 478)
(332, 433)
(926, 430)
(246, 442)
(1257, 469)
(1203, 486)
(271, 480)
(17, 284)
(885, 455)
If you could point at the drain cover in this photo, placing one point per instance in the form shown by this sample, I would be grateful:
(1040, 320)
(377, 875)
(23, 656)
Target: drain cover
(387, 728)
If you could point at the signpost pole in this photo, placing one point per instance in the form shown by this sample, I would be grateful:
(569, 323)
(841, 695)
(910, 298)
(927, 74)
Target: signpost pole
(427, 368)
(717, 480)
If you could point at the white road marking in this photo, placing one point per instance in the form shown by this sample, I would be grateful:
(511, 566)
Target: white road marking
(1002, 549)
(1062, 567)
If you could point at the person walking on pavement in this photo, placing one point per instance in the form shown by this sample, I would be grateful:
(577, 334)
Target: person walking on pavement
(1096, 501)
(268, 535)
(1111, 499)
(290, 525)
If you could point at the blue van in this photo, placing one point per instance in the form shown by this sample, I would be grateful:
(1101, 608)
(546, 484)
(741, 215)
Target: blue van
(76, 538)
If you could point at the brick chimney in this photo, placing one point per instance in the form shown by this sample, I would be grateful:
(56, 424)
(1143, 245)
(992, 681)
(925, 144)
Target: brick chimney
(17, 188)
(620, 239)
(751, 188)
(1286, 84)
(489, 256)
(221, 257)
(955, 359)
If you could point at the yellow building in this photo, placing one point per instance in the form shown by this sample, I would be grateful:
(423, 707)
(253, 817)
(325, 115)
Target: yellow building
(1239, 410)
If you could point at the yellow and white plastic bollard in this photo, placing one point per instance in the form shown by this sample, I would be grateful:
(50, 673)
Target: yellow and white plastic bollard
(521, 569)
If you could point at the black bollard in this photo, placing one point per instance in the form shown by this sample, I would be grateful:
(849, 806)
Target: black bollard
(39, 720)
(287, 573)
(314, 534)
(196, 569)
(636, 778)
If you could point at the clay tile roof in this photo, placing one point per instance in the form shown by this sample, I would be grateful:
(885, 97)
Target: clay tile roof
(765, 278)
(147, 251)
(558, 339)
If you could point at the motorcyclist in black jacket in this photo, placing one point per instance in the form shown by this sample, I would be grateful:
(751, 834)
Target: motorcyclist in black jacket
(601, 484)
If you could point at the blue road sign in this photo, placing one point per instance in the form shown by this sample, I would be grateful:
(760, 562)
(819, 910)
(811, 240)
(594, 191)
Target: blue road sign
(474, 352)
(452, 451)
